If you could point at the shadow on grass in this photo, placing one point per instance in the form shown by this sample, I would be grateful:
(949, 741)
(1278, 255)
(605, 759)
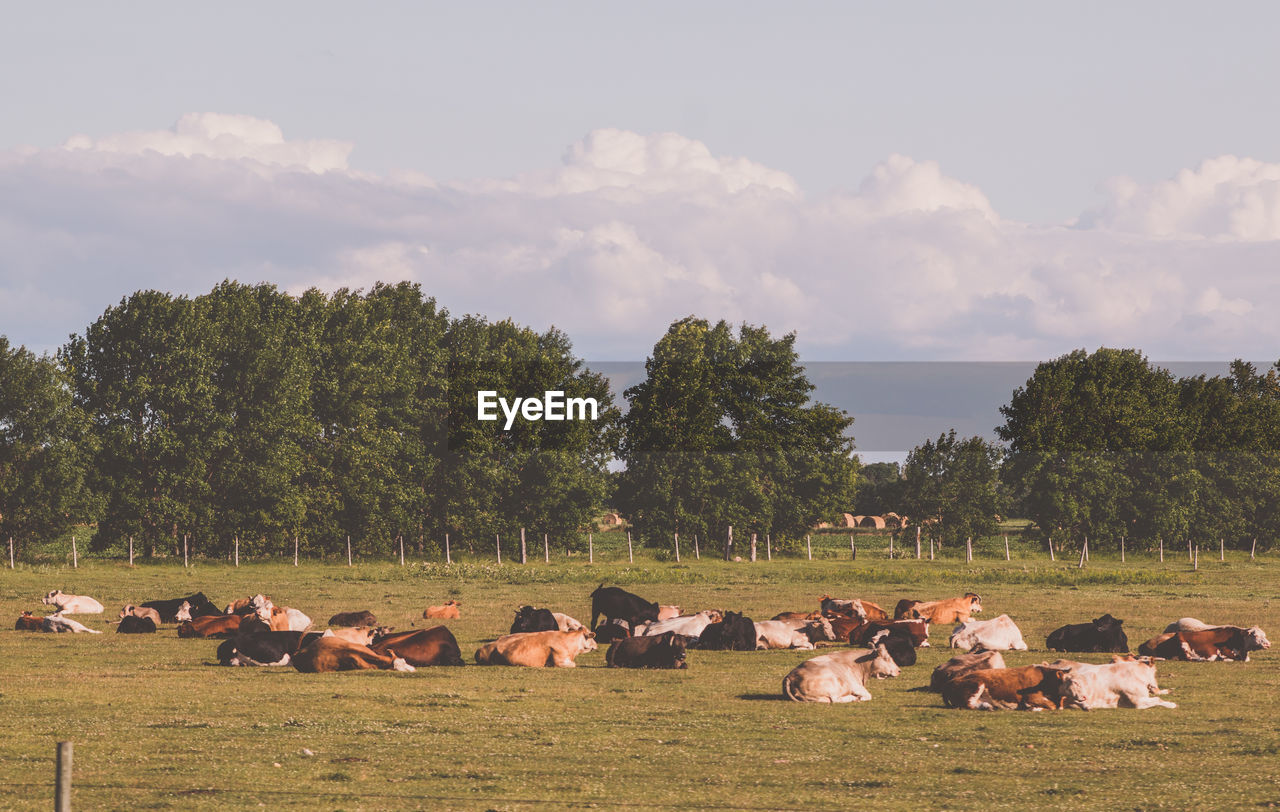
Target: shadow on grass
(763, 697)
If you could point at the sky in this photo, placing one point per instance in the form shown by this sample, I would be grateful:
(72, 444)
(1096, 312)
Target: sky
(977, 182)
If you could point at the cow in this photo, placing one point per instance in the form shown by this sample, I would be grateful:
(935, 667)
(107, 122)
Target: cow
(612, 630)
(735, 633)
(141, 611)
(833, 607)
(951, 610)
(665, 650)
(1218, 643)
(259, 605)
(615, 603)
(297, 621)
(565, 623)
(183, 613)
(445, 611)
(899, 642)
(327, 654)
(802, 617)
(537, 649)
(915, 631)
(197, 606)
(1100, 634)
(962, 664)
(364, 635)
(839, 677)
(361, 618)
(686, 625)
(1129, 683)
(422, 647)
(998, 634)
(57, 623)
(210, 626)
(668, 612)
(28, 622)
(1188, 624)
(529, 619)
(1034, 687)
(264, 648)
(64, 604)
(771, 634)
(135, 624)
(842, 626)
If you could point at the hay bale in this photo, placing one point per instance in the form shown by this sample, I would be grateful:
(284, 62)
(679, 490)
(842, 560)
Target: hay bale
(893, 521)
(850, 520)
(874, 522)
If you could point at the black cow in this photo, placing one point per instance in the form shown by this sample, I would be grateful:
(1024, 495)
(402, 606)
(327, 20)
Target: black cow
(131, 624)
(168, 609)
(364, 618)
(734, 633)
(263, 647)
(900, 645)
(661, 651)
(612, 630)
(1101, 634)
(619, 604)
(529, 619)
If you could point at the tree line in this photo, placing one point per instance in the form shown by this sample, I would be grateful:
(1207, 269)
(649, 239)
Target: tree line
(250, 416)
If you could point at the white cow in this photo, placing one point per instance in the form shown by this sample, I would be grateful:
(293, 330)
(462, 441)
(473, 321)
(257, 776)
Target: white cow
(997, 634)
(142, 611)
(839, 677)
(1125, 683)
(566, 623)
(298, 622)
(687, 625)
(1188, 624)
(72, 604)
(58, 623)
(772, 634)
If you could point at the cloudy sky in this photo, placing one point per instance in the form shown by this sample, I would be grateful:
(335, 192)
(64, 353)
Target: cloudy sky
(944, 182)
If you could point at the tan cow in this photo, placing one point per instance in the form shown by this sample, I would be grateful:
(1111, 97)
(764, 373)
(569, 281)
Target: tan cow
(1124, 682)
(330, 653)
(950, 610)
(142, 611)
(839, 677)
(537, 649)
(446, 611)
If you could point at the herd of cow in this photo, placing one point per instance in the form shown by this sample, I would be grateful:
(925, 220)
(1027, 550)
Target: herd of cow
(644, 634)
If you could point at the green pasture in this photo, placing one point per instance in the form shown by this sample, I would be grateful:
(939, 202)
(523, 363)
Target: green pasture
(156, 725)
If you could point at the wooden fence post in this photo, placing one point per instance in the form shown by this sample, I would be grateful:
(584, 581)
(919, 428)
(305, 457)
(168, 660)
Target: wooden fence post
(295, 549)
(546, 547)
(968, 549)
(448, 557)
(524, 559)
(591, 548)
(728, 544)
(348, 551)
(1222, 551)
(753, 548)
(1195, 560)
(1086, 548)
(401, 538)
(1122, 549)
(631, 556)
(131, 551)
(677, 543)
(768, 547)
(853, 549)
(11, 566)
(1051, 557)
(75, 554)
(808, 544)
(891, 546)
(184, 550)
(1252, 550)
(1084, 552)
(1190, 556)
(931, 548)
(696, 555)
(1161, 550)
(1006, 548)
(62, 785)
(497, 545)
(917, 542)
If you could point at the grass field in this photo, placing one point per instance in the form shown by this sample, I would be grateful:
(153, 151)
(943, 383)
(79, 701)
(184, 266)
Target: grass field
(156, 725)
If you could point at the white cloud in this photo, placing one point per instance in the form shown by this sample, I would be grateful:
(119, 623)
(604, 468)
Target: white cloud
(632, 231)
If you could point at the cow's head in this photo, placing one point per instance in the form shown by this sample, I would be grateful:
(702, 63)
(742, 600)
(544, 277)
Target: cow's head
(883, 664)
(1106, 622)
(822, 628)
(588, 639)
(126, 611)
(1256, 638)
(184, 612)
(975, 603)
(52, 598)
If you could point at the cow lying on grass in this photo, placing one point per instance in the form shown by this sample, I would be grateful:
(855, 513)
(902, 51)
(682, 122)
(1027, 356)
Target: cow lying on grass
(958, 666)
(998, 634)
(951, 610)
(64, 604)
(445, 611)
(839, 677)
(1034, 687)
(537, 649)
(133, 624)
(1100, 634)
(172, 610)
(335, 654)
(662, 651)
(28, 622)
(773, 634)
(1125, 682)
(57, 623)
(421, 648)
(1216, 643)
(361, 618)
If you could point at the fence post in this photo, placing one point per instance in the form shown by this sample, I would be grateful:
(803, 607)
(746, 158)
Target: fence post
(1252, 550)
(184, 550)
(237, 553)
(497, 545)
(11, 566)
(1195, 561)
(696, 555)
(1051, 556)
(62, 786)
(1222, 551)
(524, 558)
(753, 548)
(728, 544)
(631, 556)
(75, 554)
(917, 542)
(348, 551)
(131, 551)
(891, 546)
(1161, 550)
(853, 549)
(402, 550)
(1086, 548)
(677, 542)
(808, 544)
(968, 550)
(448, 559)
(1189, 553)
(591, 548)
(546, 547)
(1084, 552)
(768, 547)
(1006, 548)
(1122, 549)
(931, 548)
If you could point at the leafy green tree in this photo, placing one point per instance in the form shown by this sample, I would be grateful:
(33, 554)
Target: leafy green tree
(721, 433)
(45, 448)
(880, 489)
(952, 487)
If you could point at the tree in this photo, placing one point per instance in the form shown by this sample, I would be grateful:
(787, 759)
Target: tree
(44, 449)
(721, 433)
(879, 489)
(951, 486)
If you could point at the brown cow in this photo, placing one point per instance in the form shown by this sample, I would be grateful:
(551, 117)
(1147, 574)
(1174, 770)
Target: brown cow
(1218, 643)
(957, 667)
(423, 647)
(28, 622)
(951, 610)
(210, 626)
(446, 611)
(1032, 686)
(917, 630)
(335, 654)
(537, 649)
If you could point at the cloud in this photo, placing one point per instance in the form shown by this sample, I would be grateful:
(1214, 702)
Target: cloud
(630, 232)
